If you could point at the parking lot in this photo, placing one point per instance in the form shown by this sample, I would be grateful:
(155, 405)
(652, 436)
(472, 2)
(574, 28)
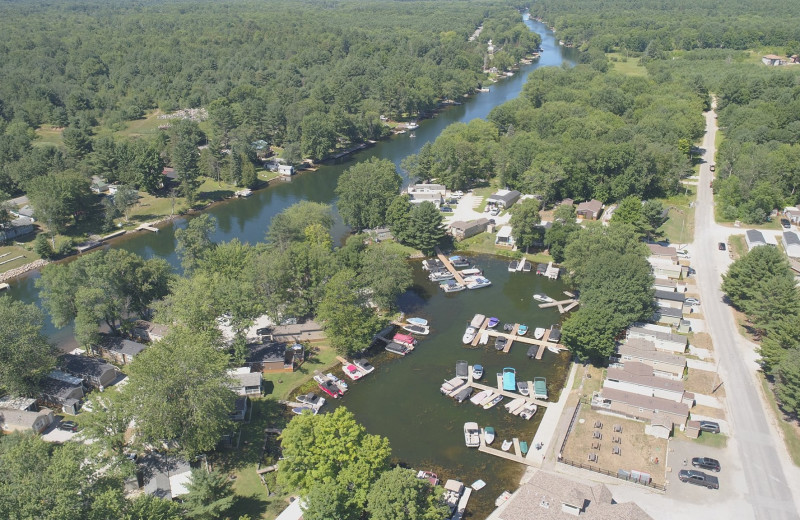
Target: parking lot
(53, 434)
(730, 485)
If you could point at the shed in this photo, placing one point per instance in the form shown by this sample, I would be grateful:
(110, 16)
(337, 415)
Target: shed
(461, 230)
(504, 198)
(92, 370)
(589, 210)
(286, 170)
(670, 299)
(18, 403)
(791, 244)
(773, 60)
(120, 350)
(692, 429)
(148, 331)
(754, 238)
(504, 237)
(163, 476)
(271, 357)
(25, 421)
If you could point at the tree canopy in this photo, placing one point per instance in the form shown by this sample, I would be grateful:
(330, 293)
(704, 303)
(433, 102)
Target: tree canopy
(365, 191)
(398, 493)
(26, 355)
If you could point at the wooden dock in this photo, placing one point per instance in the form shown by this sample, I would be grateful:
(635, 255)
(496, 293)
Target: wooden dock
(462, 504)
(446, 261)
(147, 227)
(517, 456)
(514, 336)
(563, 305)
(499, 390)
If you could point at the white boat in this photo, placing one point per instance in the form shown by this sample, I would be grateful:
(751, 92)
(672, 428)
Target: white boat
(439, 276)
(412, 125)
(471, 272)
(364, 365)
(512, 266)
(502, 499)
(452, 385)
(477, 371)
(479, 283)
(553, 349)
(338, 382)
(412, 134)
(478, 485)
(477, 321)
(506, 445)
(493, 402)
(522, 330)
(538, 332)
(418, 321)
(400, 131)
(300, 409)
(488, 434)
(472, 435)
(451, 286)
(514, 404)
(543, 298)
(469, 335)
(352, 372)
(484, 338)
(422, 330)
(523, 388)
(528, 411)
(480, 396)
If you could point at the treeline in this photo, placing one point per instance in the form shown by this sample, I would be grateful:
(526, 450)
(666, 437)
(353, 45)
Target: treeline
(652, 26)
(578, 133)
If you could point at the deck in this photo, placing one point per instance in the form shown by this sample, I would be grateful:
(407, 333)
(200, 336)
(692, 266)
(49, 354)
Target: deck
(563, 305)
(517, 456)
(514, 336)
(499, 389)
(449, 265)
(462, 504)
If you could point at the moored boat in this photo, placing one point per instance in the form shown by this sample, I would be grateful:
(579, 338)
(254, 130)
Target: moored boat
(429, 476)
(522, 330)
(472, 435)
(405, 339)
(500, 342)
(477, 371)
(469, 335)
(484, 338)
(526, 267)
(493, 402)
(422, 330)
(328, 386)
(488, 434)
(479, 283)
(364, 365)
(417, 321)
(538, 332)
(452, 385)
(459, 261)
(311, 399)
(478, 485)
(543, 298)
(474, 271)
(506, 445)
(396, 348)
(493, 322)
(451, 286)
(514, 404)
(540, 388)
(555, 333)
(512, 266)
(477, 321)
(553, 349)
(480, 396)
(523, 388)
(300, 409)
(462, 369)
(352, 371)
(463, 394)
(438, 276)
(432, 264)
(508, 327)
(509, 379)
(528, 411)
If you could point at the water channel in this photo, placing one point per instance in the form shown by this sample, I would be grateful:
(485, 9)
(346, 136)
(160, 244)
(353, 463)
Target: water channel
(401, 399)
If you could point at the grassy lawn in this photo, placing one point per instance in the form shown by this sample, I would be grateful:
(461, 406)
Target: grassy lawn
(789, 428)
(701, 381)
(737, 245)
(48, 135)
(281, 385)
(147, 126)
(679, 227)
(592, 381)
(701, 340)
(12, 251)
(484, 243)
(628, 66)
(712, 440)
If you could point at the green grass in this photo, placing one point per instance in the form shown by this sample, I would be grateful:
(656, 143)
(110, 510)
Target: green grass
(14, 250)
(679, 227)
(629, 66)
(484, 243)
(147, 126)
(282, 384)
(791, 435)
(48, 135)
(711, 440)
(737, 245)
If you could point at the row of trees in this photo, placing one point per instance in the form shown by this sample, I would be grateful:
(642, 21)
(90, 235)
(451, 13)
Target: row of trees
(762, 285)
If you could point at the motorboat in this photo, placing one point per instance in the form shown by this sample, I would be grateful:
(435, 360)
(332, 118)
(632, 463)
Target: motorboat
(412, 125)
(523, 388)
(311, 399)
(328, 386)
(474, 271)
(469, 335)
(488, 434)
(352, 371)
(493, 323)
(484, 338)
(479, 283)
(493, 402)
(540, 388)
(412, 134)
(523, 447)
(528, 411)
(462, 369)
(508, 327)
(429, 476)
(432, 264)
(502, 499)
(463, 394)
(300, 409)
(405, 339)
(422, 322)
(459, 261)
(500, 342)
(526, 267)
(477, 321)
(451, 286)
(509, 379)
(478, 485)
(472, 435)
(480, 397)
(553, 349)
(532, 351)
(543, 298)
(522, 330)
(422, 330)
(555, 333)
(538, 332)
(439, 276)
(397, 348)
(364, 365)
(452, 385)
(512, 266)
(341, 385)
(477, 371)
(514, 404)
(506, 445)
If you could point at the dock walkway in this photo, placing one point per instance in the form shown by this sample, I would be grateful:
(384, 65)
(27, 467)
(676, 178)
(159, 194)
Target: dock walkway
(499, 390)
(462, 504)
(449, 265)
(517, 456)
(563, 305)
(514, 336)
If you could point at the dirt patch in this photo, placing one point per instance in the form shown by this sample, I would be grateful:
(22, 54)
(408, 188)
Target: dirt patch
(704, 382)
(707, 411)
(701, 340)
(638, 451)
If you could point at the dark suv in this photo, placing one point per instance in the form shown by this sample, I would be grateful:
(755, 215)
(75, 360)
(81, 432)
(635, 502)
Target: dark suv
(709, 426)
(706, 463)
(698, 478)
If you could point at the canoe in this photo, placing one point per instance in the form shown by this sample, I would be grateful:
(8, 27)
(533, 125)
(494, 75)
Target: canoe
(506, 445)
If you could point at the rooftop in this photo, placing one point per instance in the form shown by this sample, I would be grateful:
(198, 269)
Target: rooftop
(670, 295)
(646, 402)
(460, 224)
(266, 352)
(84, 365)
(22, 418)
(593, 205)
(16, 403)
(159, 472)
(754, 235)
(791, 238)
(659, 250)
(246, 378)
(123, 346)
(665, 283)
(636, 347)
(670, 311)
(642, 374)
(505, 195)
(663, 336)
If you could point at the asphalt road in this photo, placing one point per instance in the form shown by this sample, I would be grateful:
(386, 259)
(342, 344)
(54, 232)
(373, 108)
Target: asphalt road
(769, 493)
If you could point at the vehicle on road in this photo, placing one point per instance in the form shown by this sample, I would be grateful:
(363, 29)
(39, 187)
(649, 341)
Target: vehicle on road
(698, 478)
(713, 167)
(68, 426)
(721, 246)
(786, 224)
(692, 301)
(706, 463)
(709, 426)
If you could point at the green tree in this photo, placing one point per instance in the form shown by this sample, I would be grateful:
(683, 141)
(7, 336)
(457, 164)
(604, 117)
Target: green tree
(386, 274)
(365, 192)
(558, 236)
(124, 198)
(398, 217)
(185, 158)
(5, 209)
(330, 500)
(148, 507)
(589, 333)
(525, 221)
(190, 368)
(787, 382)
(289, 226)
(425, 227)
(195, 240)
(107, 425)
(249, 175)
(43, 247)
(398, 493)
(77, 141)
(26, 356)
(57, 198)
(318, 137)
(210, 495)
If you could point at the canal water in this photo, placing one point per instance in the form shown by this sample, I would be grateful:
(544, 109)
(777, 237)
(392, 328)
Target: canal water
(401, 400)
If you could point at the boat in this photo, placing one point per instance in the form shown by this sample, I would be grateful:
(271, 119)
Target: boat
(523, 447)
(364, 365)
(522, 330)
(417, 321)
(478, 485)
(439, 276)
(352, 371)
(451, 286)
(412, 125)
(543, 298)
(479, 283)
(452, 493)
(514, 404)
(452, 385)
(405, 339)
(477, 321)
(512, 266)
(484, 338)
(508, 327)
(488, 434)
(474, 271)
(472, 436)
(493, 323)
(311, 399)
(328, 386)
(526, 267)
(300, 409)
(422, 330)
(500, 343)
(509, 379)
(538, 332)
(412, 134)
(528, 411)
(540, 388)
(400, 131)
(523, 388)
(459, 261)
(493, 402)
(553, 349)
(429, 476)
(432, 264)
(532, 351)
(397, 348)
(502, 499)
(506, 445)
(463, 394)
(555, 333)
(462, 369)
(469, 335)
(477, 371)
(480, 397)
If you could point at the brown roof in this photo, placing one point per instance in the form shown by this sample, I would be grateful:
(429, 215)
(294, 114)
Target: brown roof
(641, 348)
(665, 283)
(773, 57)
(661, 419)
(643, 401)
(593, 205)
(641, 374)
(460, 224)
(659, 250)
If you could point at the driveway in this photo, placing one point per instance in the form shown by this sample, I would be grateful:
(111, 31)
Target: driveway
(465, 211)
(732, 485)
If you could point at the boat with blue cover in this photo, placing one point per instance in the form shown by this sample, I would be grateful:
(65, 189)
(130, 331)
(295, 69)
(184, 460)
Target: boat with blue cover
(509, 379)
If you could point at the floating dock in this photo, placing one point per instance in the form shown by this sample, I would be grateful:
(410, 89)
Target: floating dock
(462, 504)
(514, 336)
(517, 456)
(499, 390)
(147, 227)
(449, 265)
(563, 305)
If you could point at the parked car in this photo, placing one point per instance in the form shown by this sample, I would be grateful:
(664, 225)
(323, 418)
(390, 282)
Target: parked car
(721, 246)
(712, 167)
(289, 321)
(692, 301)
(264, 331)
(445, 209)
(709, 426)
(786, 224)
(494, 212)
(706, 463)
(698, 478)
(68, 426)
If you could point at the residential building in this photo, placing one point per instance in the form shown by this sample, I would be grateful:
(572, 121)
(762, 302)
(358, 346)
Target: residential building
(379, 234)
(504, 237)
(461, 230)
(792, 214)
(240, 407)
(754, 238)
(670, 299)
(664, 341)
(791, 244)
(27, 404)
(25, 211)
(639, 378)
(663, 364)
(668, 268)
(504, 198)
(662, 251)
(427, 192)
(668, 316)
(245, 382)
(148, 331)
(120, 350)
(589, 210)
(164, 476)
(286, 170)
(60, 388)
(16, 228)
(25, 421)
(294, 511)
(773, 60)
(92, 370)
(660, 426)
(273, 357)
(663, 284)
(638, 406)
(552, 496)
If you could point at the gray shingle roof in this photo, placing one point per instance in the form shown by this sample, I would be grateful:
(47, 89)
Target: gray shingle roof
(670, 295)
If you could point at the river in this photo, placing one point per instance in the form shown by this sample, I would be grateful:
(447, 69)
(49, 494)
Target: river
(401, 399)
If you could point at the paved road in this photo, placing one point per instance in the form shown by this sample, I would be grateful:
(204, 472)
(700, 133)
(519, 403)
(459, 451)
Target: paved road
(769, 492)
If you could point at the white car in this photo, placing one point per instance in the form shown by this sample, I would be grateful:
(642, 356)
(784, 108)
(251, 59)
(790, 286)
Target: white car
(692, 301)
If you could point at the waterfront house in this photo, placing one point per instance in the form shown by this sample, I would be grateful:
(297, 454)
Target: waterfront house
(773, 60)
(378, 234)
(639, 378)
(461, 230)
(664, 341)
(25, 211)
(245, 382)
(589, 210)
(663, 364)
(638, 406)
(435, 193)
(16, 228)
(285, 170)
(504, 198)
(271, 357)
(147, 331)
(93, 371)
(674, 300)
(12, 420)
(504, 237)
(791, 244)
(99, 185)
(163, 476)
(754, 238)
(666, 285)
(119, 350)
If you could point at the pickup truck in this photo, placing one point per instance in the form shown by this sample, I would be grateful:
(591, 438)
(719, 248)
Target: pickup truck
(698, 478)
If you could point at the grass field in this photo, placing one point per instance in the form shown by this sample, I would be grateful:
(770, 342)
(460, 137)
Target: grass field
(679, 227)
(146, 126)
(789, 428)
(484, 243)
(322, 359)
(14, 250)
(629, 66)
(48, 135)
(712, 440)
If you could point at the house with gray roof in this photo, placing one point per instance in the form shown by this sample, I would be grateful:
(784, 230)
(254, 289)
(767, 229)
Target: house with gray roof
(664, 341)
(754, 238)
(16, 228)
(461, 230)
(12, 420)
(668, 316)
(670, 299)
(92, 370)
(791, 244)
(163, 476)
(504, 198)
(120, 350)
(245, 382)
(59, 388)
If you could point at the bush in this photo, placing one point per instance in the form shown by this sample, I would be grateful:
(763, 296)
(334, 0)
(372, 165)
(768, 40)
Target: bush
(42, 247)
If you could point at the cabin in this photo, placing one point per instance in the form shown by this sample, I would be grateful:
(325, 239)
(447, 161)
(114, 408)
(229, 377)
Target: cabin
(245, 382)
(639, 378)
(773, 60)
(147, 331)
(504, 198)
(663, 364)
(120, 350)
(791, 244)
(589, 210)
(638, 406)
(792, 214)
(25, 404)
(93, 371)
(16, 228)
(435, 193)
(12, 420)
(163, 476)
(754, 238)
(62, 389)
(674, 300)
(99, 185)
(664, 341)
(668, 316)
(504, 237)
(285, 170)
(461, 230)
(274, 357)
